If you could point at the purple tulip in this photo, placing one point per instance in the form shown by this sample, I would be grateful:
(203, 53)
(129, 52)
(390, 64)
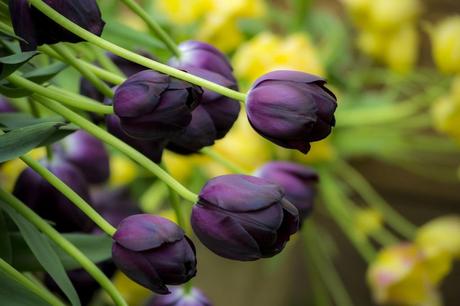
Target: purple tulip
(243, 217)
(114, 205)
(202, 55)
(88, 154)
(155, 106)
(6, 107)
(128, 68)
(291, 108)
(180, 298)
(298, 182)
(37, 29)
(153, 252)
(51, 204)
(152, 149)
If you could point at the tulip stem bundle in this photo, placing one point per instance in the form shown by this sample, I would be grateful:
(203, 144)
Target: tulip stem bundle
(68, 57)
(64, 244)
(108, 138)
(7, 269)
(133, 57)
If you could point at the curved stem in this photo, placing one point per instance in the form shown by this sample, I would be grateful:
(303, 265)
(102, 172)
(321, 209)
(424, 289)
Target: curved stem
(65, 245)
(30, 285)
(70, 194)
(120, 145)
(68, 98)
(71, 59)
(153, 26)
(133, 57)
(393, 218)
(99, 72)
(105, 61)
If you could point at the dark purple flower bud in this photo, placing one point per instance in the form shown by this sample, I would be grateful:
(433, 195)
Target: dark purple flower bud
(297, 180)
(291, 108)
(180, 298)
(153, 252)
(51, 204)
(6, 107)
(152, 149)
(37, 29)
(243, 217)
(154, 106)
(202, 55)
(88, 154)
(114, 205)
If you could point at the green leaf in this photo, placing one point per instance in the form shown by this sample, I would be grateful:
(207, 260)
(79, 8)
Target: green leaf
(44, 74)
(19, 141)
(11, 91)
(13, 293)
(45, 254)
(17, 120)
(11, 63)
(5, 241)
(96, 247)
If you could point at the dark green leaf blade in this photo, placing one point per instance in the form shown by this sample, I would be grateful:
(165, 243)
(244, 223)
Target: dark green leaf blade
(12, 293)
(45, 254)
(10, 63)
(5, 241)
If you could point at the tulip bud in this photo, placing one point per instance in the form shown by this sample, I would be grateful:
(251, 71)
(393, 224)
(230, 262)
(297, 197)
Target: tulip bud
(37, 29)
(152, 149)
(211, 120)
(446, 45)
(5, 106)
(179, 298)
(153, 252)
(243, 217)
(205, 56)
(291, 108)
(88, 154)
(298, 182)
(50, 203)
(155, 106)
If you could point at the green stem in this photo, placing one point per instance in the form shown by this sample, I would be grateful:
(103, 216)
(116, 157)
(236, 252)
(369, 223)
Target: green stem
(99, 72)
(30, 285)
(120, 145)
(153, 26)
(133, 57)
(70, 194)
(105, 61)
(324, 265)
(65, 245)
(222, 160)
(70, 58)
(393, 218)
(65, 97)
(331, 194)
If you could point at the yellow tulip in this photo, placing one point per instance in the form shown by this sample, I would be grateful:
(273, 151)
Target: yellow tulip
(446, 111)
(221, 31)
(267, 52)
(372, 43)
(367, 221)
(392, 14)
(446, 45)
(320, 151)
(441, 235)
(359, 10)
(402, 49)
(404, 275)
(183, 12)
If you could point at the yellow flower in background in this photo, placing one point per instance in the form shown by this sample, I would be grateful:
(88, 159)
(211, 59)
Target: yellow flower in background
(358, 9)
(184, 12)
(372, 43)
(10, 170)
(392, 14)
(403, 275)
(242, 146)
(267, 52)
(122, 170)
(446, 111)
(320, 151)
(402, 49)
(441, 235)
(180, 166)
(446, 45)
(219, 18)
